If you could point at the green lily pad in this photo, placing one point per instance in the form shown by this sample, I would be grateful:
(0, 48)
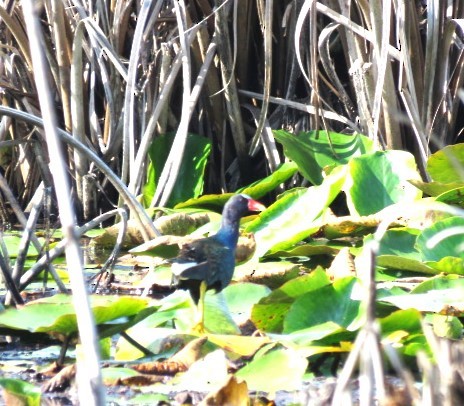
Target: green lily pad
(447, 238)
(205, 375)
(446, 165)
(256, 190)
(17, 392)
(440, 282)
(272, 273)
(454, 196)
(295, 216)
(435, 188)
(314, 247)
(329, 303)
(111, 376)
(451, 265)
(409, 320)
(405, 264)
(261, 373)
(269, 313)
(262, 187)
(436, 301)
(379, 180)
(13, 242)
(241, 297)
(313, 151)
(56, 314)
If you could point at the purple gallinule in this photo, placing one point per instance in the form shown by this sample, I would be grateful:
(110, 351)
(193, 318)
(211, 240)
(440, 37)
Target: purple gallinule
(208, 263)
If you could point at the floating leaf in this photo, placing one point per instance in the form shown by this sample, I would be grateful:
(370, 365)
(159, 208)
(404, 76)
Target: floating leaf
(314, 150)
(256, 190)
(440, 282)
(262, 187)
(295, 216)
(446, 165)
(13, 242)
(435, 188)
(405, 264)
(381, 179)
(17, 392)
(409, 320)
(205, 375)
(272, 274)
(216, 201)
(232, 393)
(56, 314)
(241, 297)
(313, 247)
(454, 196)
(329, 303)
(243, 346)
(448, 240)
(113, 375)
(269, 313)
(260, 374)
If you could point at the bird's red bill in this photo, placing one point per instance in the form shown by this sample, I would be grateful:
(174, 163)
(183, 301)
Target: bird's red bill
(254, 205)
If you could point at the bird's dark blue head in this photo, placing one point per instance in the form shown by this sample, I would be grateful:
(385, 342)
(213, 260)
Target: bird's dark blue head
(235, 208)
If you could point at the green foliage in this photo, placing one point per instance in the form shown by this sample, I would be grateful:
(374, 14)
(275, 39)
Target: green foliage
(20, 392)
(190, 181)
(56, 314)
(446, 165)
(260, 374)
(315, 150)
(296, 215)
(380, 179)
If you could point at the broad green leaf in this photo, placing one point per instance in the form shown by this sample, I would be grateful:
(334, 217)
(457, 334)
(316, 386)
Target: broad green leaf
(313, 247)
(143, 399)
(445, 326)
(269, 313)
(330, 303)
(398, 242)
(408, 320)
(274, 370)
(218, 318)
(153, 339)
(263, 186)
(256, 190)
(447, 165)
(437, 301)
(312, 151)
(12, 243)
(205, 375)
(189, 183)
(447, 237)
(436, 188)
(113, 375)
(405, 264)
(450, 265)
(381, 179)
(440, 282)
(241, 297)
(270, 273)
(215, 202)
(454, 196)
(243, 346)
(295, 216)
(56, 314)
(17, 392)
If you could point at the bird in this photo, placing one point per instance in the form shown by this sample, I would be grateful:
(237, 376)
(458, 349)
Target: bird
(208, 263)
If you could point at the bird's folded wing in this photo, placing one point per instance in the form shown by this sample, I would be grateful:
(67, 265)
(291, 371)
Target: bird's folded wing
(190, 270)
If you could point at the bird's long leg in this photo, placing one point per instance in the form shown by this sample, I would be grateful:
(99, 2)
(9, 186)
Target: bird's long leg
(200, 310)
